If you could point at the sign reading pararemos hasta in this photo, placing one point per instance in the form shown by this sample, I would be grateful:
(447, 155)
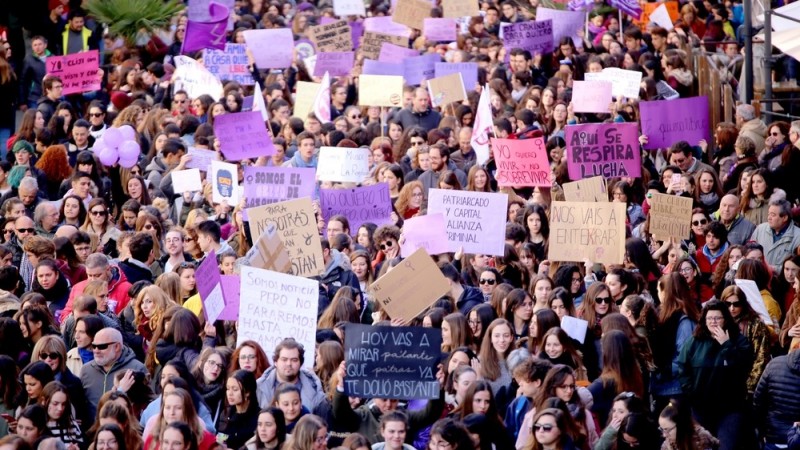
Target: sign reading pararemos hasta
(391, 362)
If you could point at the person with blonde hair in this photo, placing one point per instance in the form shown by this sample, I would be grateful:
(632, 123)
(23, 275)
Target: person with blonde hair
(170, 283)
(148, 310)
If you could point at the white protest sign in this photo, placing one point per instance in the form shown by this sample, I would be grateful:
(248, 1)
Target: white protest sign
(755, 299)
(349, 8)
(186, 181)
(195, 79)
(225, 181)
(624, 83)
(201, 158)
(274, 306)
(347, 165)
(474, 220)
(575, 328)
(660, 16)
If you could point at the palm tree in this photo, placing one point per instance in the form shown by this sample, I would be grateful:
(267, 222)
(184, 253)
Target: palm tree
(129, 18)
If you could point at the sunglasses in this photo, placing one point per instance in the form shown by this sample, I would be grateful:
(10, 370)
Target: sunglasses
(8, 231)
(102, 346)
(734, 304)
(388, 244)
(99, 213)
(697, 223)
(26, 230)
(417, 143)
(487, 281)
(53, 356)
(546, 428)
(601, 300)
(96, 114)
(355, 117)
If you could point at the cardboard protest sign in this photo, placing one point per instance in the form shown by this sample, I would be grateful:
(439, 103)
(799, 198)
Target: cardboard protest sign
(587, 190)
(420, 68)
(395, 53)
(360, 205)
(372, 67)
(347, 165)
(187, 180)
(271, 48)
(297, 228)
(412, 13)
(534, 36)
(225, 181)
(332, 37)
(670, 216)
(209, 288)
(349, 8)
(428, 232)
(672, 9)
(269, 253)
(267, 185)
(229, 64)
(78, 71)
(521, 162)
(385, 24)
(411, 287)
(456, 9)
(565, 23)
(468, 71)
(475, 220)
(591, 96)
(274, 306)
(230, 290)
(243, 135)
(624, 83)
(392, 362)
(666, 122)
(196, 80)
(580, 230)
(380, 90)
(372, 42)
(337, 64)
(304, 99)
(607, 149)
(201, 158)
(440, 29)
(447, 89)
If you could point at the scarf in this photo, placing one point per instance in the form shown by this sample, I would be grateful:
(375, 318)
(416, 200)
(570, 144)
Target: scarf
(86, 355)
(709, 199)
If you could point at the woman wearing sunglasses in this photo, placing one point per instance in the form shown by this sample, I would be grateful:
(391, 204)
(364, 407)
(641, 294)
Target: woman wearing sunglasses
(597, 303)
(386, 239)
(52, 351)
(752, 328)
(549, 431)
(99, 223)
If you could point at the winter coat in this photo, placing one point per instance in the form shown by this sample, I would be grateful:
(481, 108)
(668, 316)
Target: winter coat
(776, 401)
(56, 295)
(337, 274)
(311, 393)
(427, 120)
(117, 292)
(97, 381)
(776, 251)
(470, 298)
(238, 427)
(135, 272)
(703, 440)
(756, 130)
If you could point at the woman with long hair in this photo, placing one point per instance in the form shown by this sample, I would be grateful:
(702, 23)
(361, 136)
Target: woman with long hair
(537, 227)
(36, 321)
(114, 408)
(56, 400)
(35, 376)
(362, 269)
(177, 406)
(450, 434)
(148, 309)
(55, 166)
(478, 320)
(270, 431)
(330, 355)
(72, 267)
(753, 329)
(241, 415)
(32, 425)
(98, 222)
(310, 433)
(52, 284)
(341, 309)
(410, 199)
(455, 332)
(709, 190)
(542, 321)
(52, 351)
(86, 327)
(251, 357)
(540, 288)
(755, 199)
(624, 405)
(558, 348)
(621, 373)
(519, 310)
(478, 180)
(724, 273)
(109, 437)
(179, 339)
(479, 399)
(598, 303)
(550, 431)
(560, 301)
(210, 373)
(493, 354)
(758, 271)
(10, 389)
(186, 271)
(699, 289)
(680, 431)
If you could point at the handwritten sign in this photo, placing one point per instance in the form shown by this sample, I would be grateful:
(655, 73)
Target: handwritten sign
(243, 135)
(666, 122)
(420, 68)
(372, 42)
(348, 165)
(297, 228)
(271, 48)
(536, 37)
(208, 285)
(267, 185)
(78, 72)
(521, 163)
(581, 230)
(587, 190)
(332, 37)
(440, 29)
(196, 80)
(607, 149)
(447, 89)
(225, 181)
(337, 64)
(201, 158)
(428, 232)
(274, 306)
(380, 90)
(391, 362)
(229, 64)
(395, 53)
(468, 71)
(269, 253)
(456, 9)
(624, 83)
(412, 13)
(349, 8)
(359, 205)
(186, 181)
(475, 220)
(411, 287)
(591, 96)
(670, 216)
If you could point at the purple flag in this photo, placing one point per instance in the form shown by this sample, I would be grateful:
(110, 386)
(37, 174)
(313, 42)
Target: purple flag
(211, 34)
(629, 7)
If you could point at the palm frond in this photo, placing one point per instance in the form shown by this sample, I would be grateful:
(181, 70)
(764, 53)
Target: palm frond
(128, 18)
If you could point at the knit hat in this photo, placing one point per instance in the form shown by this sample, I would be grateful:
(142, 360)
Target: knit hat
(120, 100)
(22, 145)
(305, 6)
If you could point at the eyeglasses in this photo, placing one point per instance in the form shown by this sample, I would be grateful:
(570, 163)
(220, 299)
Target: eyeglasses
(697, 223)
(544, 428)
(247, 357)
(102, 346)
(734, 304)
(53, 356)
(96, 114)
(214, 364)
(99, 213)
(601, 300)
(417, 194)
(26, 230)
(488, 281)
(714, 319)
(576, 280)
(417, 143)
(686, 270)
(186, 264)
(387, 244)
(355, 117)
(666, 430)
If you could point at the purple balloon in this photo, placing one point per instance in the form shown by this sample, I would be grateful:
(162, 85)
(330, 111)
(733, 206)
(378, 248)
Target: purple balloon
(107, 156)
(128, 133)
(128, 163)
(129, 150)
(113, 138)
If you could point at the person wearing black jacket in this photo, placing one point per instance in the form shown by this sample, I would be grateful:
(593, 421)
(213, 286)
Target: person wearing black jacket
(466, 297)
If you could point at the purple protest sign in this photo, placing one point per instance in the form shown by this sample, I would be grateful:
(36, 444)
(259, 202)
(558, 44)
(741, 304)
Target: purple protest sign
(208, 286)
(267, 185)
(603, 149)
(337, 64)
(78, 71)
(436, 29)
(428, 232)
(372, 67)
(666, 122)
(565, 23)
(419, 68)
(208, 34)
(243, 135)
(272, 49)
(359, 205)
(231, 285)
(395, 54)
(385, 25)
(592, 96)
(536, 37)
(468, 71)
(356, 31)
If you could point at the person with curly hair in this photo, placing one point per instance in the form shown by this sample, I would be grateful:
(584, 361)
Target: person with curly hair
(55, 166)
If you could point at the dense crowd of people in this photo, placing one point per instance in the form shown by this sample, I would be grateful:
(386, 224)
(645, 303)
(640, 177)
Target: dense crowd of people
(104, 344)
